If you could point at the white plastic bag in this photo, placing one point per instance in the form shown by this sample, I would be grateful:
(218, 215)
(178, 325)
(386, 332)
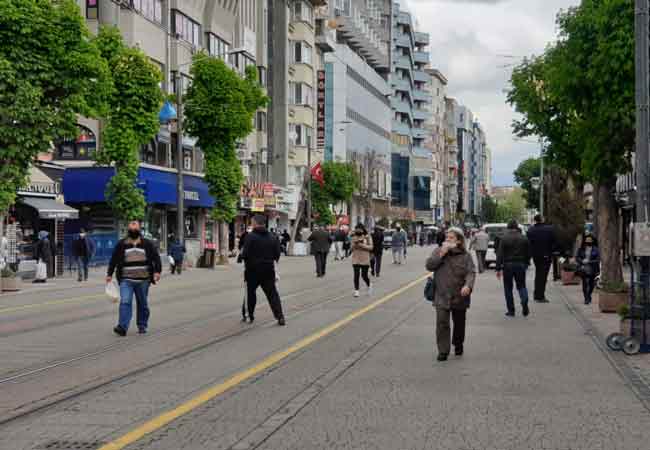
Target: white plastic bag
(112, 290)
(41, 270)
(171, 260)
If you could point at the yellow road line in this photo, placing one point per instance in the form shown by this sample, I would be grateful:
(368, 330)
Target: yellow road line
(165, 418)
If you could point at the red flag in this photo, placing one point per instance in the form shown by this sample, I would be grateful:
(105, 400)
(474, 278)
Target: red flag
(317, 174)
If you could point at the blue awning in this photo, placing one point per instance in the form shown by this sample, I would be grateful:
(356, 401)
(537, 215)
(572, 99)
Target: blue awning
(88, 185)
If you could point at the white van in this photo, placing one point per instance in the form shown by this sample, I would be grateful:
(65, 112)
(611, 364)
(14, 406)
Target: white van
(495, 230)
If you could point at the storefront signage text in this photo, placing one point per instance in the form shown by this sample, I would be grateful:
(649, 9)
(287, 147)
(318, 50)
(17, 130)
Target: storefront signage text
(320, 111)
(41, 188)
(258, 205)
(192, 195)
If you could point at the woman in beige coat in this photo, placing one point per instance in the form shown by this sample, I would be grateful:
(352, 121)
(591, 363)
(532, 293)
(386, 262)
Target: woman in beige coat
(361, 250)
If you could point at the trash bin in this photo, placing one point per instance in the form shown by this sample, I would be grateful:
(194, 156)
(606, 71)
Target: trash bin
(208, 259)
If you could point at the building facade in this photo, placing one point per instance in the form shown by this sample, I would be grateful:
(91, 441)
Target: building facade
(412, 161)
(451, 161)
(435, 142)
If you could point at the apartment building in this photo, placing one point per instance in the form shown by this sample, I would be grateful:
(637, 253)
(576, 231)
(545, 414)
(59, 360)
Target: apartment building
(170, 32)
(451, 164)
(412, 162)
(435, 142)
(357, 109)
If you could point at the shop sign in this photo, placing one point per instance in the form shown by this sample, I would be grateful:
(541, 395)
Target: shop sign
(191, 195)
(269, 197)
(246, 202)
(320, 110)
(258, 205)
(41, 188)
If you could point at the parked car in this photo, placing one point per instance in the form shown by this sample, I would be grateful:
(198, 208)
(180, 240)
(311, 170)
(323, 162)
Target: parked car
(495, 231)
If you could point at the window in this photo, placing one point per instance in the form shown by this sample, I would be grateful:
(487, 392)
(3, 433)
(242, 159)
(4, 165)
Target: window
(91, 9)
(188, 159)
(83, 147)
(302, 12)
(241, 61)
(186, 28)
(261, 121)
(261, 75)
(301, 52)
(301, 94)
(150, 9)
(218, 47)
(302, 134)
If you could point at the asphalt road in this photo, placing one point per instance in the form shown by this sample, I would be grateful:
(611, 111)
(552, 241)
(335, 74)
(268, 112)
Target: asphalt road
(345, 373)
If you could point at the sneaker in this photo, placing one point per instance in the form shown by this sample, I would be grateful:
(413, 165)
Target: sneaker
(356, 293)
(510, 314)
(281, 321)
(442, 357)
(142, 331)
(459, 350)
(119, 331)
(525, 310)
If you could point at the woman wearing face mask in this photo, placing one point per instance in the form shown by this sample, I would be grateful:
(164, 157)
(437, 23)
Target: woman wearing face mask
(361, 249)
(454, 281)
(588, 260)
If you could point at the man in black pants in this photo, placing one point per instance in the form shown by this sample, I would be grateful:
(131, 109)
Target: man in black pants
(377, 251)
(321, 241)
(260, 253)
(513, 259)
(542, 244)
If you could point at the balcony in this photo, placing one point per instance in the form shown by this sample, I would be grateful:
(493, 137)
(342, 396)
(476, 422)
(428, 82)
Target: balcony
(404, 62)
(422, 38)
(422, 76)
(401, 128)
(402, 85)
(404, 18)
(421, 114)
(404, 40)
(325, 36)
(401, 106)
(356, 31)
(421, 152)
(419, 133)
(422, 57)
(421, 96)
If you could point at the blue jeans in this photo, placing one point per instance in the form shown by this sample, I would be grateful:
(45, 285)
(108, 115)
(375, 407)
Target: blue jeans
(516, 272)
(82, 267)
(141, 291)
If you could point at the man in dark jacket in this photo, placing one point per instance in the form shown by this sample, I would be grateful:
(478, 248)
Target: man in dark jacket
(136, 263)
(83, 249)
(377, 251)
(177, 251)
(542, 243)
(513, 259)
(260, 253)
(321, 241)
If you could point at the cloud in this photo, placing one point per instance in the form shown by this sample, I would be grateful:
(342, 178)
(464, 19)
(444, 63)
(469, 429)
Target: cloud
(469, 39)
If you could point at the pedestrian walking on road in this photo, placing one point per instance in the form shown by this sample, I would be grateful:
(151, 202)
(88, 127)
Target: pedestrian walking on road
(398, 244)
(513, 259)
(260, 254)
(362, 248)
(321, 241)
(454, 276)
(43, 255)
(177, 252)
(480, 243)
(339, 240)
(136, 264)
(83, 250)
(588, 261)
(377, 251)
(542, 245)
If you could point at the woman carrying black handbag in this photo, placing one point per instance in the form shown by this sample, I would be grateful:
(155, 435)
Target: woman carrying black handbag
(588, 261)
(453, 282)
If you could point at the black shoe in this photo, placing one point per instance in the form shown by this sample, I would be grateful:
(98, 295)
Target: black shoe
(542, 301)
(459, 350)
(119, 331)
(142, 331)
(510, 314)
(281, 322)
(251, 319)
(525, 310)
(442, 357)
(79, 280)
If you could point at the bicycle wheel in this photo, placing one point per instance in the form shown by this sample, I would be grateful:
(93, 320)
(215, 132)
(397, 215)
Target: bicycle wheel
(615, 341)
(631, 346)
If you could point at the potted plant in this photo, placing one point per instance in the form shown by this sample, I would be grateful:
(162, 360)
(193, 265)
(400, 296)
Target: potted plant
(569, 270)
(612, 296)
(9, 280)
(629, 320)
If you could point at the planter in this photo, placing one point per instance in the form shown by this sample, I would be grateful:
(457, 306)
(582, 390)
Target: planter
(608, 302)
(9, 284)
(569, 278)
(626, 327)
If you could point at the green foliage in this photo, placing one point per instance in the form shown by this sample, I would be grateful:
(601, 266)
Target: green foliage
(489, 210)
(321, 202)
(623, 311)
(219, 110)
(131, 120)
(511, 207)
(341, 181)
(50, 71)
(528, 169)
(7, 273)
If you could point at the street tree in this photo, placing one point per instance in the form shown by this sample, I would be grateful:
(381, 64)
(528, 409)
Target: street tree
(219, 109)
(489, 210)
(580, 96)
(50, 71)
(130, 121)
(341, 180)
(525, 173)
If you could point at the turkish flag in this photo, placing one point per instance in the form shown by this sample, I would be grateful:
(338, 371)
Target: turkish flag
(317, 174)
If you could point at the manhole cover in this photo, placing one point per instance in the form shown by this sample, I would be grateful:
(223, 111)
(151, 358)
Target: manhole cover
(71, 445)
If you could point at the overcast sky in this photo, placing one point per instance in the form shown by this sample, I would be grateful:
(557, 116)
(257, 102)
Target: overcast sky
(466, 38)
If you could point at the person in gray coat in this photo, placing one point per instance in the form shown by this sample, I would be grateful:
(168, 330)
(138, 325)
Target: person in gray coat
(480, 244)
(454, 281)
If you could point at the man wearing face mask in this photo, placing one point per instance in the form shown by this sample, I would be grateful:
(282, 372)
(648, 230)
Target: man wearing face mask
(83, 249)
(136, 264)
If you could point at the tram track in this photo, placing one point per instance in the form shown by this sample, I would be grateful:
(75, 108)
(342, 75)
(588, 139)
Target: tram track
(54, 398)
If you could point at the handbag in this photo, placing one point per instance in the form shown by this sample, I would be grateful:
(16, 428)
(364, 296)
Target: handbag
(430, 289)
(41, 270)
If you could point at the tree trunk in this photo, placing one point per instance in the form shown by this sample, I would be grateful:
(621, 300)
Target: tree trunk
(293, 229)
(609, 236)
(222, 228)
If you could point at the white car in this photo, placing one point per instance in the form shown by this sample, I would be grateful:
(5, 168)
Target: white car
(495, 230)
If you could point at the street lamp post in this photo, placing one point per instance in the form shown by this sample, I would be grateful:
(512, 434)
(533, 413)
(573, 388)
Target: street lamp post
(642, 114)
(180, 217)
(541, 172)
